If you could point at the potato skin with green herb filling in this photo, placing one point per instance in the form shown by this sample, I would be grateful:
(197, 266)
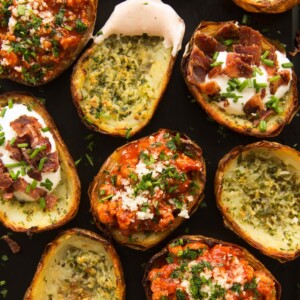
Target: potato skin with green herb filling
(240, 78)
(198, 267)
(266, 6)
(117, 84)
(32, 216)
(146, 188)
(257, 191)
(78, 264)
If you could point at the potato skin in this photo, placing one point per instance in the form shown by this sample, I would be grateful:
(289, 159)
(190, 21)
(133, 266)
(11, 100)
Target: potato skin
(66, 63)
(140, 241)
(117, 131)
(266, 6)
(280, 255)
(158, 260)
(63, 237)
(239, 125)
(65, 159)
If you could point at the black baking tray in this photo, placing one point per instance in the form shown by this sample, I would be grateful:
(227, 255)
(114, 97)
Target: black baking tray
(176, 111)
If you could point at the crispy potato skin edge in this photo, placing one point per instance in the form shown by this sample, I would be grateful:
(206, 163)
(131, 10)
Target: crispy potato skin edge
(225, 119)
(64, 155)
(229, 221)
(158, 260)
(147, 242)
(51, 248)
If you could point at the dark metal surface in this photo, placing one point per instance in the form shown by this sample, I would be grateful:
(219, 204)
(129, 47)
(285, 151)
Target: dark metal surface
(177, 111)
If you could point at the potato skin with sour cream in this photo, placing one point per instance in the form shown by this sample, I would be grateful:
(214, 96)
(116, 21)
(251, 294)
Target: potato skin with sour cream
(33, 216)
(252, 67)
(146, 188)
(257, 191)
(78, 264)
(198, 267)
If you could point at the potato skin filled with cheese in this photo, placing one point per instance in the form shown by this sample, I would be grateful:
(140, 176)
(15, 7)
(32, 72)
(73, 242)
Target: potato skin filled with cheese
(78, 264)
(198, 267)
(146, 188)
(266, 6)
(39, 185)
(257, 192)
(241, 79)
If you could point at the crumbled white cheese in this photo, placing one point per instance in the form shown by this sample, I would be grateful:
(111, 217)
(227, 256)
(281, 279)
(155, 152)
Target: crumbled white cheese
(141, 215)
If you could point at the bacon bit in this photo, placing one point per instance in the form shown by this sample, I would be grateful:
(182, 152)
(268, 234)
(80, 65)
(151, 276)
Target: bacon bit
(283, 80)
(20, 185)
(232, 57)
(14, 246)
(249, 37)
(272, 56)
(215, 72)
(209, 88)
(51, 200)
(206, 43)
(228, 30)
(186, 164)
(16, 153)
(238, 68)
(263, 116)
(35, 174)
(254, 51)
(5, 181)
(254, 105)
(52, 163)
(7, 196)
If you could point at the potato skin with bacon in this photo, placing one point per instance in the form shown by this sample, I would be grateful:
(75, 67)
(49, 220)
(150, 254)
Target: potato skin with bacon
(256, 188)
(146, 188)
(266, 6)
(259, 116)
(170, 266)
(30, 216)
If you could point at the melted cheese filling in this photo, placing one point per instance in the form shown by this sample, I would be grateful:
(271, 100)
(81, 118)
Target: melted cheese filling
(153, 17)
(10, 115)
(236, 106)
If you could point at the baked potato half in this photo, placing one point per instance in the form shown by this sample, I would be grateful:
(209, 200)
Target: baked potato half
(118, 82)
(41, 39)
(241, 79)
(198, 267)
(147, 188)
(266, 6)
(257, 192)
(78, 264)
(39, 185)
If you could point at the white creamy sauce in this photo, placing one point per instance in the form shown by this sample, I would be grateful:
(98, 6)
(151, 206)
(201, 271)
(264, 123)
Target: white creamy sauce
(10, 115)
(236, 108)
(153, 17)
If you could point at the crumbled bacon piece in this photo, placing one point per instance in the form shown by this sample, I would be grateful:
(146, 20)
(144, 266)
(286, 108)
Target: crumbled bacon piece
(215, 72)
(283, 80)
(209, 88)
(5, 181)
(206, 43)
(249, 37)
(238, 68)
(254, 105)
(51, 201)
(254, 51)
(20, 185)
(52, 163)
(228, 30)
(14, 246)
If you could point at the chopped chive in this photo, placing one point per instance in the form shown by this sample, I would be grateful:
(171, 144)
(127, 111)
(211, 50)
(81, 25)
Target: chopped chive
(23, 145)
(232, 84)
(36, 151)
(42, 202)
(33, 184)
(2, 140)
(261, 84)
(69, 28)
(2, 134)
(12, 141)
(106, 198)
(3, 111)
(262, 126)
(236, 80)
(216, 54)
(127, 135)
(77, 162)
(257, 70)
(41, 163)
(89, 159)
(47, 184)
(265, 55)
(228, 95)
(45, 129)
(10, 103)
(287, 65)
(268, 62)
(243, 85)
(28, 188)
(272, 79)
(14, 165)
(216, 63)
(236, 98)
(228, 42)
(23, 171)
(14, 175)
(245, 19)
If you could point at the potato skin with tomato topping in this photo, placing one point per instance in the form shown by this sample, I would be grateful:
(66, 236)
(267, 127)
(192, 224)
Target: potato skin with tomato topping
(266, 6)
(190, 265)
(41, 39)
(252, 65)
(146, 188)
